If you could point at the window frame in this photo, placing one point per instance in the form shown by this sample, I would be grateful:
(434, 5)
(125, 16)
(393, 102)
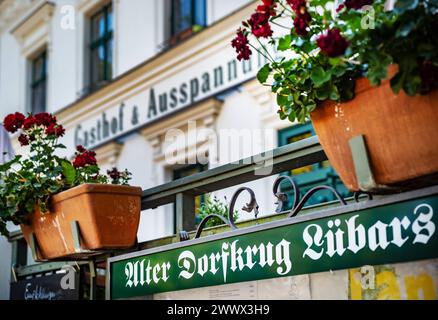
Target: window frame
(177, 173)
(103, 40)
(35, 82)
(285, 134)
(320, 173)
(174, 33)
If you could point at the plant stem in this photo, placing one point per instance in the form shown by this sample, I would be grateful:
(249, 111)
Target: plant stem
(286, 9)
(280, 25)
(266, 50)
(267, 58)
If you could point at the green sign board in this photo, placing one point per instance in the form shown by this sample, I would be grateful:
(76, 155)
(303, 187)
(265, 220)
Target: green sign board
(395, 229)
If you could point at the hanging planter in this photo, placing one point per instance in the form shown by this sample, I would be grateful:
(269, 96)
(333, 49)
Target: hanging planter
(357, 70)
(106, 216)
(400, 133)
(66, 209)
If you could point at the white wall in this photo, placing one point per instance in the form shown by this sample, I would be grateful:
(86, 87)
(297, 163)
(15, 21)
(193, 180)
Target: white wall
(139, 31)
(217, 9)
(5, 268)
(11, 76)
(62, 60)
(241, 111)
(136, 156)
(136, 31)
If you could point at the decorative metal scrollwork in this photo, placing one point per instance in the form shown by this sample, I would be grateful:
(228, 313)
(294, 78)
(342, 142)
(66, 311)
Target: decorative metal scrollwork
(309, 194)
(281, 196)
(209, 217)
(252, 205)
(357, 194)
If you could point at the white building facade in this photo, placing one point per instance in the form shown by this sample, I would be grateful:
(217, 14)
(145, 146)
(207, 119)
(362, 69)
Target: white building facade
(150, 85)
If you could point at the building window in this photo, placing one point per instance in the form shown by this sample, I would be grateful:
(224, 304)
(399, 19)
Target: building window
(101, 47)
(38, 84)
(312, 175)
(187, 16)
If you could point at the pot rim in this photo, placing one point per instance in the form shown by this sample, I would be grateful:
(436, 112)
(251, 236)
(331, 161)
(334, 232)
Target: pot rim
(91, 188)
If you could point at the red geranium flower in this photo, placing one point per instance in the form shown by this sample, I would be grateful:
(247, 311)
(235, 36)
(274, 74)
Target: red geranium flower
(240, 43)
(79, 161)
(23, 139)
(55, 130)
(80, 149)
(301, 22)
(90, 157)
(29, 122)
(259, 23)
(13, 122)
(114, 174)
(341, 6)
(297, 5)
(85, 158)
(302, 17)
(45, 119)
(332, 43)
(268, 7)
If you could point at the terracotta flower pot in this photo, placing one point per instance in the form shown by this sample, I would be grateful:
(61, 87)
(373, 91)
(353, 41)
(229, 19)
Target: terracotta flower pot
(401, 135)
(108, 217)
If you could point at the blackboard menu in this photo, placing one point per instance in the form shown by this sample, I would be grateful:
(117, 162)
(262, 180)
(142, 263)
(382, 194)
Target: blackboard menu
(47, 287)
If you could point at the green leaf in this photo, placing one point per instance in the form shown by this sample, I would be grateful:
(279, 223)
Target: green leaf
(426, 50)
(263, 73)
(378, 67)
(282, 99)
(397, 82)
(405, 29)
(319, 76)
(282, 115)
(68, 171)
(30, 206)
(339, 71)
(54, 189)
(287, 64)
(310, 105)
(7, 165)
(346, 89)
(10, 200)
(3, 228)
(278, 77)
(412, 86)
(323, 92)
(334, 61)
(291, 117)
(284, 43)
(334, 94)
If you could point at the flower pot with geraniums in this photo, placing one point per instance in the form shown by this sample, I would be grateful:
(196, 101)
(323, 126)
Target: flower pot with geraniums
(46, 194)
(356, 67)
